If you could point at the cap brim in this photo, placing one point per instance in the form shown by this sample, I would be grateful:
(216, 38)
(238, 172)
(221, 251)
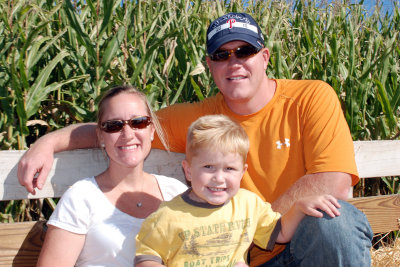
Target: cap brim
(232, 37)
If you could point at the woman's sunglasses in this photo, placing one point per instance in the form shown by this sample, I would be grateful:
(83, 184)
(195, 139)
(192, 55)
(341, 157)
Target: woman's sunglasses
(113, 126)
(240, 52)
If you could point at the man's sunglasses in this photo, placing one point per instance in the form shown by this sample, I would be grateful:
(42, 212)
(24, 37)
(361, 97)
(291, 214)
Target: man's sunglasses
(240, 52)
(113, 126)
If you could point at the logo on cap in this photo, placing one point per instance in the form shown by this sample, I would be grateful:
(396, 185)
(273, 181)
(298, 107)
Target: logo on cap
(231, 21)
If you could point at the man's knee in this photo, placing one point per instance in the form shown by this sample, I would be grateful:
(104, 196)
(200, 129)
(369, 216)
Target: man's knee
(349, 218)
(333, 240)
(351, 223)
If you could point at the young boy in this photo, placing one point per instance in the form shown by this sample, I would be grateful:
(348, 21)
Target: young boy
(214, 222)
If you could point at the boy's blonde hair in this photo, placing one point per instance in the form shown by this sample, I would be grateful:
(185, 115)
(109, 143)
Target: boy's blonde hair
(217, 132)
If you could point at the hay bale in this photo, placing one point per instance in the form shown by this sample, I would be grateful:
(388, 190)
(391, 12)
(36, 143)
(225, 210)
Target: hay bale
(386, 256)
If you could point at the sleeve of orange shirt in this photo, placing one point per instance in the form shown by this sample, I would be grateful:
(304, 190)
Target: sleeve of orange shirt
(175, 121)
(327, 144)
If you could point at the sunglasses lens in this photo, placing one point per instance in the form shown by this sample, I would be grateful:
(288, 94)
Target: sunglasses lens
(246, 51)
(112, 126)
(140, 122)
(240, 52)
(117, 125)
(220, 55)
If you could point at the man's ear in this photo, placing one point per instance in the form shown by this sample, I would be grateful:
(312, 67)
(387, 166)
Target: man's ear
(208, 62)
(186, 169)
(266, 55)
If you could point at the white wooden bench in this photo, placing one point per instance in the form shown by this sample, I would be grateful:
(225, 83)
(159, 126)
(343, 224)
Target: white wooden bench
(20, 243)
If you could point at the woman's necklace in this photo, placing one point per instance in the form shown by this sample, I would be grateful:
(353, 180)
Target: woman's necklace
(139, 204)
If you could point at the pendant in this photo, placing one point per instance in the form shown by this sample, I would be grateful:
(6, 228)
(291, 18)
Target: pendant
(139, 204)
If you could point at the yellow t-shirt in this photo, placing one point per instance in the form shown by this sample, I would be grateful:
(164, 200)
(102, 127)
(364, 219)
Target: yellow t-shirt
(301, 131)
(186, 233)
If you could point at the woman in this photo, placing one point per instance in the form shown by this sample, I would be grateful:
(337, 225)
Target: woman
(97, 219)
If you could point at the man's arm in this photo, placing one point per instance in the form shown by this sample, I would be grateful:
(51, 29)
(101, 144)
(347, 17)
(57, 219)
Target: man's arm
(39, 158)
(336, 184)
(327, 145)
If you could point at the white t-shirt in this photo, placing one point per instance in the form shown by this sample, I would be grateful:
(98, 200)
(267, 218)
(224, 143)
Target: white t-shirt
(110, 233)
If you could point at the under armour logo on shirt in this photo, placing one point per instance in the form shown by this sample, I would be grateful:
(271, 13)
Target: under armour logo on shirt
(279, 144)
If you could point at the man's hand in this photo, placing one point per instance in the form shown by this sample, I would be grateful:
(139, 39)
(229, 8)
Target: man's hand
(36, 163)
(34, 167)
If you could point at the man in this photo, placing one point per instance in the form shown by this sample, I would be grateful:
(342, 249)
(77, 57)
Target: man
(300, 145)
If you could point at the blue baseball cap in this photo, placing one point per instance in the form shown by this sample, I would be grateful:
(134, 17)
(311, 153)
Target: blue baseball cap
(233, 27)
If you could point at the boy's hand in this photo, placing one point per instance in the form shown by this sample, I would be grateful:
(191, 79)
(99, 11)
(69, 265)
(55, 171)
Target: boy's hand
(313, 205)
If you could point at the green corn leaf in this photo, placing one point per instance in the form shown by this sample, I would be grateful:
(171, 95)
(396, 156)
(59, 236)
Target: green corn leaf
(197, 89)
(385, 103)
(149, 52)
(38, 92)
(19, 98)
(108, 9)
(78, 113)
(76, 25)
(35, 55)
(178, 92)
(35, 101)
(110, 52)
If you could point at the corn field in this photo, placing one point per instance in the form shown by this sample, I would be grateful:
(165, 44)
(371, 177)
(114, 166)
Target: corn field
(58, 57)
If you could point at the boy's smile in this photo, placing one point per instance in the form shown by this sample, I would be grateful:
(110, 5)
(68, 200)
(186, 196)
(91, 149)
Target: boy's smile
(215, 176)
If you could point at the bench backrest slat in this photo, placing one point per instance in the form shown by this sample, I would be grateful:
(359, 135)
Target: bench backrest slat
(377, 158)
(71, 166)
(374, 159)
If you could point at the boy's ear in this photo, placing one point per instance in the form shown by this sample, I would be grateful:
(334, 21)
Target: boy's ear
(186, 169)
(244, 169)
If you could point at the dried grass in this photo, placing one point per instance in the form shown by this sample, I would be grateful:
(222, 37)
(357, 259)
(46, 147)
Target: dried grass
(387, 255)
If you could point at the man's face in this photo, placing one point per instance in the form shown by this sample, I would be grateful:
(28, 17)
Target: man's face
(240, 80)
